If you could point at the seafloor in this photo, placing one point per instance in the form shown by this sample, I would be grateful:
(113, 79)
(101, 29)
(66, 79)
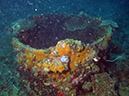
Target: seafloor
(117, 64)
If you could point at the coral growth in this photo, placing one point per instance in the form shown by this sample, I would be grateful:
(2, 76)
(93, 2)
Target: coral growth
(108, 22)
(62, 66)
(103, 85)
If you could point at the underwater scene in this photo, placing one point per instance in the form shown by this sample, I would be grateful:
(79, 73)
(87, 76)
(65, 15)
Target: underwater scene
(64, 48)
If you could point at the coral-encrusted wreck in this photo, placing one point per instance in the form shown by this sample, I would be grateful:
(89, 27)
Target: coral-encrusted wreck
(58, 54)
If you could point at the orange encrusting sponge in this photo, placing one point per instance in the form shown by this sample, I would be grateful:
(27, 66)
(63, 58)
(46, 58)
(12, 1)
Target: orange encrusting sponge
(36, 58)
(77, 56)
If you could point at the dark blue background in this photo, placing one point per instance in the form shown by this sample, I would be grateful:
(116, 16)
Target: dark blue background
(11, 10)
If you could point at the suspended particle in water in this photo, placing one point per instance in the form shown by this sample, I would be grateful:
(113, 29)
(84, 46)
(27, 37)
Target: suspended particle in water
(36, 9)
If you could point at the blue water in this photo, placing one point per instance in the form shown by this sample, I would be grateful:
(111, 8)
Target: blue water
(12, 10)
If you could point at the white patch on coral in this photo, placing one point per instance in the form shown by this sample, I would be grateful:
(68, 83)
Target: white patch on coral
(64, 59)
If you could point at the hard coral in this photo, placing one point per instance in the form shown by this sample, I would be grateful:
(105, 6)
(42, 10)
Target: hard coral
(78, 22)
(103, 85)
(21, 25)
(108, 22)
